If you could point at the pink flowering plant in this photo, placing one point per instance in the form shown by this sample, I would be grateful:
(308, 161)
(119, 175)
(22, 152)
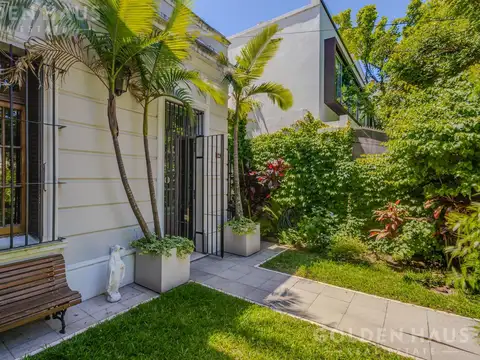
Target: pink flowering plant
(259, 185)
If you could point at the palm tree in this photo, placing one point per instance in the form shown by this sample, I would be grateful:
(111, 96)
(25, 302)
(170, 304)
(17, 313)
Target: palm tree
(243, 77)
(158, 73)
(107, 42)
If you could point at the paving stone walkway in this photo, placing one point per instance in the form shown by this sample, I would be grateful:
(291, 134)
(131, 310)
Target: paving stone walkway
(413, 330)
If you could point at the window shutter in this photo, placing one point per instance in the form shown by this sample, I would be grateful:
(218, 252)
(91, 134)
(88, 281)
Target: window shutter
(35, 158)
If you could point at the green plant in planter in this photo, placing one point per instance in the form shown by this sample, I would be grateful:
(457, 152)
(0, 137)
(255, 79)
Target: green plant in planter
(242, 226)
(163, 247)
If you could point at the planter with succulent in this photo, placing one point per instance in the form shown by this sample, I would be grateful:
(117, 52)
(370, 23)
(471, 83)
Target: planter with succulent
(242, 237)
(162, 264)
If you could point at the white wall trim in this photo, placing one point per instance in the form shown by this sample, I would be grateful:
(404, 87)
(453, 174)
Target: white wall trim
(98, 260)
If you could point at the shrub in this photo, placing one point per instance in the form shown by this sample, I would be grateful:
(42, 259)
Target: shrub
(418, 239)
(321, 165)
(313, 232)
(466, 252)
(347, 247)
(274, 218)
(163, 247)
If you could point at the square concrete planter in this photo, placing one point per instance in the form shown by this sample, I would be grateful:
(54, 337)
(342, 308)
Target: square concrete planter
(161, 273)
(243, 245)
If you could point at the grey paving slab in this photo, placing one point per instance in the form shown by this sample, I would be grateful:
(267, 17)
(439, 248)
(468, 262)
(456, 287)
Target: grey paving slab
(109, 311)
(363, 321)
(369, 302)
(327, 311)
(243, 269)
(200, 276)
(129, 292)
(258, 295)
(72, 315)
(239, 289)
(271, 285)
(252, 280)
(76, 326)
(292, 300)
(24, 334)
(5, 354)
(311, 286)
(217, 282)
(444, 352)
(453, 331)
(33, 345)
(338, 293)
(94, 305)
(263, 274)
(138, 299)
(231, 274)
(408, 344)
(406, 318)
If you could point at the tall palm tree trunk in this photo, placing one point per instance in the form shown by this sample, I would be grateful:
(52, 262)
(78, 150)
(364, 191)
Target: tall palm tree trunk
(113, 123)
(151, 184)
(236, 170)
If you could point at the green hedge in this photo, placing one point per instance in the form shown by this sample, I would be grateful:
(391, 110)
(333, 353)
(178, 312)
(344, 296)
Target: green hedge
(321, 165)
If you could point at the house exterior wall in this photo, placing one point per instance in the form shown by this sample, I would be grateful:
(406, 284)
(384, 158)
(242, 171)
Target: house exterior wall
(298, 65)
(92, 211)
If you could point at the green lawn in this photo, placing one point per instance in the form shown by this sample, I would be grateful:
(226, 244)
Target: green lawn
(378, 279)
(194, 322)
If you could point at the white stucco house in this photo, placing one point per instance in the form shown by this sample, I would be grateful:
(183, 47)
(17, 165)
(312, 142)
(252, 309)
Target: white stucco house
(313, 63)
(67, 194)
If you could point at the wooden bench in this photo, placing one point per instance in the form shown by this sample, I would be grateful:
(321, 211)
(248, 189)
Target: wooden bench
(35, 289)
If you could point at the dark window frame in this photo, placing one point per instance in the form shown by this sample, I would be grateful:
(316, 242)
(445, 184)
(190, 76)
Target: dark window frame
(30, 100)
(332, 51)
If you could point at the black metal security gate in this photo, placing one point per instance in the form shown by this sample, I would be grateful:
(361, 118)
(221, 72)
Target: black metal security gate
(195, 200)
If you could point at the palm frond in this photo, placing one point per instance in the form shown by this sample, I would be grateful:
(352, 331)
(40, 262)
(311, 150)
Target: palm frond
(256, 54)
(277, 93)
(248, 105)
(123, 18)
(59, 53)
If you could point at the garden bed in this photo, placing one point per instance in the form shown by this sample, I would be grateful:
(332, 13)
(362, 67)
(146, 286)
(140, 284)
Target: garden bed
(375, 278)
(194, 322)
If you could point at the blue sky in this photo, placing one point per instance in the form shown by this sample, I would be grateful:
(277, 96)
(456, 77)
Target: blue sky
(232, 16)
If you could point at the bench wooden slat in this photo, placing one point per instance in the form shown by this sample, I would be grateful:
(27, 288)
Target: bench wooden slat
(30, 284)
(36, 275)
(4, 276)
(45, 270)
(46, 287)
(33, 289)
(28, 306)
(29, 263)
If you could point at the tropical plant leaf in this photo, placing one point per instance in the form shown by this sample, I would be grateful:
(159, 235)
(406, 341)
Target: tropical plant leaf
(277, 93)
(256, 54)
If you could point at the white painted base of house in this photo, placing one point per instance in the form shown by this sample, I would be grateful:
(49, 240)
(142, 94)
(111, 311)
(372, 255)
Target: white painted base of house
(90, 277)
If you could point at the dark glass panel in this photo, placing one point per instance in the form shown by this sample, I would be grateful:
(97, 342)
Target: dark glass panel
(16, 127)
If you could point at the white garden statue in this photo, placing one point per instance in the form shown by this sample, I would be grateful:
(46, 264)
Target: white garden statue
(116, 273)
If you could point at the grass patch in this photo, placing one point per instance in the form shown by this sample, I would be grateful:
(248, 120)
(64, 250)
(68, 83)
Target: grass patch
(377, 279)
(194, 322)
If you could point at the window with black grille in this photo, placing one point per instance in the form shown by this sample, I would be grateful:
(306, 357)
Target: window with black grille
(21, 158)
